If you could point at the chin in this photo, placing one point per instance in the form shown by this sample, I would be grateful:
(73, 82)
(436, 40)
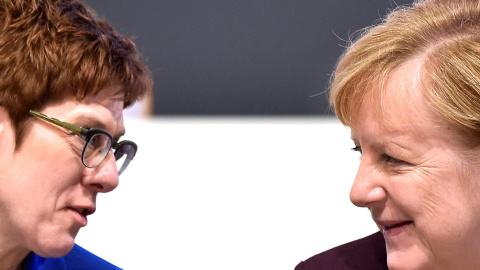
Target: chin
(401, 261)
(55, 248)
(60, 251)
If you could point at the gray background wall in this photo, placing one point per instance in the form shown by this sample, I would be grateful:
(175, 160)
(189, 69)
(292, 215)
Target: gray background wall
(251, 57)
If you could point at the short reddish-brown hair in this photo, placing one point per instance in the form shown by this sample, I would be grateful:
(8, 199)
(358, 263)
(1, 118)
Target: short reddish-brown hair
(55, 50)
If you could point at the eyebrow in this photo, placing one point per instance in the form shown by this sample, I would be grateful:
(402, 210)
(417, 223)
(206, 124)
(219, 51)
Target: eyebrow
(94, 122)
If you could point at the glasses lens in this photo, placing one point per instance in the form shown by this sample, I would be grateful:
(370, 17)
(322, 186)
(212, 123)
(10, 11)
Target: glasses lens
(124, 154)
(96, 149)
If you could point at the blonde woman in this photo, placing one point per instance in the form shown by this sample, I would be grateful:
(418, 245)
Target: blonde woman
(409, 89)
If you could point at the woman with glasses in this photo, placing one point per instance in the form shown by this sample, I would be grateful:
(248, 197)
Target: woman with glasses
(65, 78)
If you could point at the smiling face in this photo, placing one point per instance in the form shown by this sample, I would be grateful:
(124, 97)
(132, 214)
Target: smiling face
(46, 192)
(418, 177)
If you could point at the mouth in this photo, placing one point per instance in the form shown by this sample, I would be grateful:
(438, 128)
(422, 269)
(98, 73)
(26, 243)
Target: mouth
(79, 210)
(81, 214)
(392, 226)
(83, 211)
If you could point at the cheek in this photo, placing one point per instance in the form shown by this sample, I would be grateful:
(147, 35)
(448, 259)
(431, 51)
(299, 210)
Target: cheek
(440, 206)
(431, 200)
(38, 179)
(57, 156)
(425, 195)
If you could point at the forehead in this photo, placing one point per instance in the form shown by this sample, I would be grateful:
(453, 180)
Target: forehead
(102, 110)
(397, 102)
(111, 98)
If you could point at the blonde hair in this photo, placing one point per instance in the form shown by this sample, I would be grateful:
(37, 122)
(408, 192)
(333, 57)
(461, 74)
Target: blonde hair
(445, 34)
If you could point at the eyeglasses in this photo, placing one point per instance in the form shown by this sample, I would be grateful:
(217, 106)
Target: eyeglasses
(98, 143)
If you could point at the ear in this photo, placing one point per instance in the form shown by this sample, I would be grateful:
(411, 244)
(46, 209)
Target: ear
(7, 132)
(4, 119)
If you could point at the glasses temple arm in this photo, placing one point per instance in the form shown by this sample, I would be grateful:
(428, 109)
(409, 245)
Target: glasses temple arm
(74, 128)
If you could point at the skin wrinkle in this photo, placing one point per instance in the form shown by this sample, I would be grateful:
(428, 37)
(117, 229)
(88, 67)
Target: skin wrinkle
(429, 188)
(73, 188)
(60, 59)
(416, 73)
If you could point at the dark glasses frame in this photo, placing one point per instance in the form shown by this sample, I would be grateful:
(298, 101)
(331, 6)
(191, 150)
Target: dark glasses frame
(121, 148)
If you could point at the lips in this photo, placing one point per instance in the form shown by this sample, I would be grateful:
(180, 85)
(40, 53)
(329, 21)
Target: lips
(80, 213)
(78, 210)
(85, 211)
(394, 228)
(391, 226)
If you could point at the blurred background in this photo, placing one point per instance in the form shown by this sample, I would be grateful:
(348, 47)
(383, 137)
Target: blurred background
(241, 163)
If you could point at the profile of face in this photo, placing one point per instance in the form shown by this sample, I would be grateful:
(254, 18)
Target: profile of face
(46, 193)
(419, 178)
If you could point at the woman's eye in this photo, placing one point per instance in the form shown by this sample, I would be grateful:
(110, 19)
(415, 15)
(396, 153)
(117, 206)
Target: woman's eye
(357, 149)
(391, 159)
(387, 158)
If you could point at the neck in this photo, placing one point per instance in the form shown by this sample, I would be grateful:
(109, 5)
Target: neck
(12, 253)
(12, 260)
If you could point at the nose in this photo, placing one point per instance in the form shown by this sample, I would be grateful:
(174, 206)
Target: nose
(368, 188)
(104, 177)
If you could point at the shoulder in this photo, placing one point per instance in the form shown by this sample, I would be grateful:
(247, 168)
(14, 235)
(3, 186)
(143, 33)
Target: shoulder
(365, 253)
(78, 259)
